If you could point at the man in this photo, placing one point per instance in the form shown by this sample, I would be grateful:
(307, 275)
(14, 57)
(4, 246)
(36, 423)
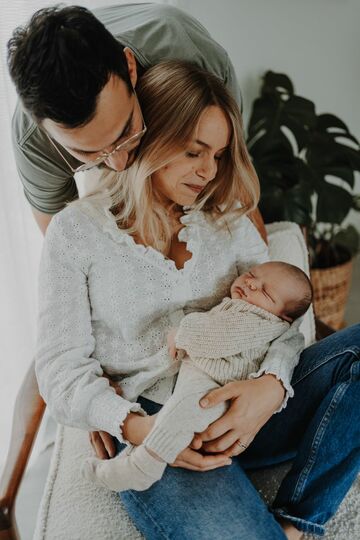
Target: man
(75, 74)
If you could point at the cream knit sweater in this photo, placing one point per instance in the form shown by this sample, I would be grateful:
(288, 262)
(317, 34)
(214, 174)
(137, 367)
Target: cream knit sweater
(230, 341)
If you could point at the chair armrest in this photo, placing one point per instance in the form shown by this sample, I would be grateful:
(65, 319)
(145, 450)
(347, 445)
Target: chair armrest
(28, 412)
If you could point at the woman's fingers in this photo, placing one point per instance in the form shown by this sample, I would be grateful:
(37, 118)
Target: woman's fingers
(221, 444)
(219, 395)
(98, 445)
(103, 444)
(185, 465)
(189, 459)
(240, 445)
(197, 442)
(218, 428)
(109, 443)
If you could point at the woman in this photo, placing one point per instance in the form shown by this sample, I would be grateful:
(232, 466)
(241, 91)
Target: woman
(122, 266)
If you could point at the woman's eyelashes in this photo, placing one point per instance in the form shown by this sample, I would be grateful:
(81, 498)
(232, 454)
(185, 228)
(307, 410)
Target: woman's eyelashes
(198, 154)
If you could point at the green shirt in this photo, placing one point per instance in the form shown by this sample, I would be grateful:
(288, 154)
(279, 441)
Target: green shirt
(154, 32)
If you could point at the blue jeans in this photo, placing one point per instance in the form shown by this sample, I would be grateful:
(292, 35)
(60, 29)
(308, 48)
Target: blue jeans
(319, 430)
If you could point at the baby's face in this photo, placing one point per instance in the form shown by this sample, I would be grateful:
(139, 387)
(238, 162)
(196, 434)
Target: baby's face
(267, 286)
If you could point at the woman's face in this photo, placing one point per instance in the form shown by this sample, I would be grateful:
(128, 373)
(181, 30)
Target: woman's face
(182, 180)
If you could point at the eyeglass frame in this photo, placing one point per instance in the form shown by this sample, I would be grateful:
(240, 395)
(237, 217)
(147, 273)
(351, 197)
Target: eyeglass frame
(104, 155)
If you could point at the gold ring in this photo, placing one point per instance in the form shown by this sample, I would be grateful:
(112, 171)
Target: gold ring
(242, 445)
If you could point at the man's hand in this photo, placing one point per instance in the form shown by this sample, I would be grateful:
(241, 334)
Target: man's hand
(102, 442)
(253, 402)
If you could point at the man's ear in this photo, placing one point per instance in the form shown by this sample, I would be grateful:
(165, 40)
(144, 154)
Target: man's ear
(131, 62)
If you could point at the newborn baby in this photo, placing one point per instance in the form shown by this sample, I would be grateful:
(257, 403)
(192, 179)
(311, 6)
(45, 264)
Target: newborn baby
(225, 344)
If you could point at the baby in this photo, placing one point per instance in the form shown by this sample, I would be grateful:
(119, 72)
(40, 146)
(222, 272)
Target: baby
(227, 343)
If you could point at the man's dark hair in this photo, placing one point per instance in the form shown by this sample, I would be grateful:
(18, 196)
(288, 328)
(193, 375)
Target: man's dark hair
(60, 61)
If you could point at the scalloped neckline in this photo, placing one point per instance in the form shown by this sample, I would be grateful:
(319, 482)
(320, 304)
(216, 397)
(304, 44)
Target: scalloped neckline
(187, 234)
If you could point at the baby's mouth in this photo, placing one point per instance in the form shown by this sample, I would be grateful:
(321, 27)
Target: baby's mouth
(240, 291)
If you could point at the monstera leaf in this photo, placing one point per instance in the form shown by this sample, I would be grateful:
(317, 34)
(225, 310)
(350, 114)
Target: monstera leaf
(297, 155)
(276, 109)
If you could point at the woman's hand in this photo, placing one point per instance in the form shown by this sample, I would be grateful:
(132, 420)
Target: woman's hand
(194, 461)
(134, 430)
(253, 402)
(103, 444)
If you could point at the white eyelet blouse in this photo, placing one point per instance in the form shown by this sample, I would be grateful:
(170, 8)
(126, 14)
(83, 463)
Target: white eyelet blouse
(107, 303)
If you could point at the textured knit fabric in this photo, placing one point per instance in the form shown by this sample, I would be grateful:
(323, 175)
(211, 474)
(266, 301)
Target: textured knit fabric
(182, 415)
(154, 33)
(107, 303)
(235, 328)
(134, 469)
(173, 431)
(229, 342)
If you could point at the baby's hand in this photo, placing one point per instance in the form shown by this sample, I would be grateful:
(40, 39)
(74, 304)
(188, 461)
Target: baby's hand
(171, 343)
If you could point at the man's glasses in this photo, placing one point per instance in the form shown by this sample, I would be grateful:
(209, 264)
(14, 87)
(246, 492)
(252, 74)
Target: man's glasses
(128, 144)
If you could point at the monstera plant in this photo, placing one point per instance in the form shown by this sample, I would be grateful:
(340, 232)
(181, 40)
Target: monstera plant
(306, 164)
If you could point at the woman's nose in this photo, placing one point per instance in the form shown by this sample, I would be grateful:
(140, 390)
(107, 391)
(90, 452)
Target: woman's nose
(117, 160)
(207, 169)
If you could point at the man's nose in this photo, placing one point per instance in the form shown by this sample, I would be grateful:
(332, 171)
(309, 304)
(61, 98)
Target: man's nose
(117, 160)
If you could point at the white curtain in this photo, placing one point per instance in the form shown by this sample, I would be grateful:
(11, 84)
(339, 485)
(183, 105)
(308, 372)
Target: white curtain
(20, 239)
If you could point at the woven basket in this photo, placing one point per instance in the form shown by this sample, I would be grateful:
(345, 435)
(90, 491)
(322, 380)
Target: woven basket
(331, 290)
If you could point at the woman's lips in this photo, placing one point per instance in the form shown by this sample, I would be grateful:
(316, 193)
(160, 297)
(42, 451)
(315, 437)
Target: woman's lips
(195, 188)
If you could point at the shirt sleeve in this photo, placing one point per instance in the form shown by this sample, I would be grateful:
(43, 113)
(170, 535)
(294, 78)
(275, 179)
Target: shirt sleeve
(69, 376)
(157, 32)
(284, 352)
(232, 85)
(47, 180)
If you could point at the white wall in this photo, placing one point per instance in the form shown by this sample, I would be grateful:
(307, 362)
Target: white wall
(315, 42)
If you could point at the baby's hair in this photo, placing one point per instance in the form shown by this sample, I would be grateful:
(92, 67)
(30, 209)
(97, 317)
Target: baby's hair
(299, 306)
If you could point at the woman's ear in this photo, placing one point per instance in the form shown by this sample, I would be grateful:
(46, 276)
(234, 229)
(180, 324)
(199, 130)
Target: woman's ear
(132, 68)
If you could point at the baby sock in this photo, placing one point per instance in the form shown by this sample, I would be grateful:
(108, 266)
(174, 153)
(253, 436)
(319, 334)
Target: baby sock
(136, 470)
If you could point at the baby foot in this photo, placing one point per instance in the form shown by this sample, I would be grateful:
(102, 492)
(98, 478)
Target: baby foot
(136, 470)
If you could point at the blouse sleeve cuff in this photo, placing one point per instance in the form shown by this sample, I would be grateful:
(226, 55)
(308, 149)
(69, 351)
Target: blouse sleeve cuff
(108, 412)
(289, 391)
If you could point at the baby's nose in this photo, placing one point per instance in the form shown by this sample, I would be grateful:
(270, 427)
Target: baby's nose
(251, 284)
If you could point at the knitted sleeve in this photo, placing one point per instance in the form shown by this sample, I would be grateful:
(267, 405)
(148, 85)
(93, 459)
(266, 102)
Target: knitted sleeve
(70, 378)
(226, 331)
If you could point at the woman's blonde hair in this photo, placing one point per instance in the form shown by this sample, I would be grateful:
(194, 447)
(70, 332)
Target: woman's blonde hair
(173, 96)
